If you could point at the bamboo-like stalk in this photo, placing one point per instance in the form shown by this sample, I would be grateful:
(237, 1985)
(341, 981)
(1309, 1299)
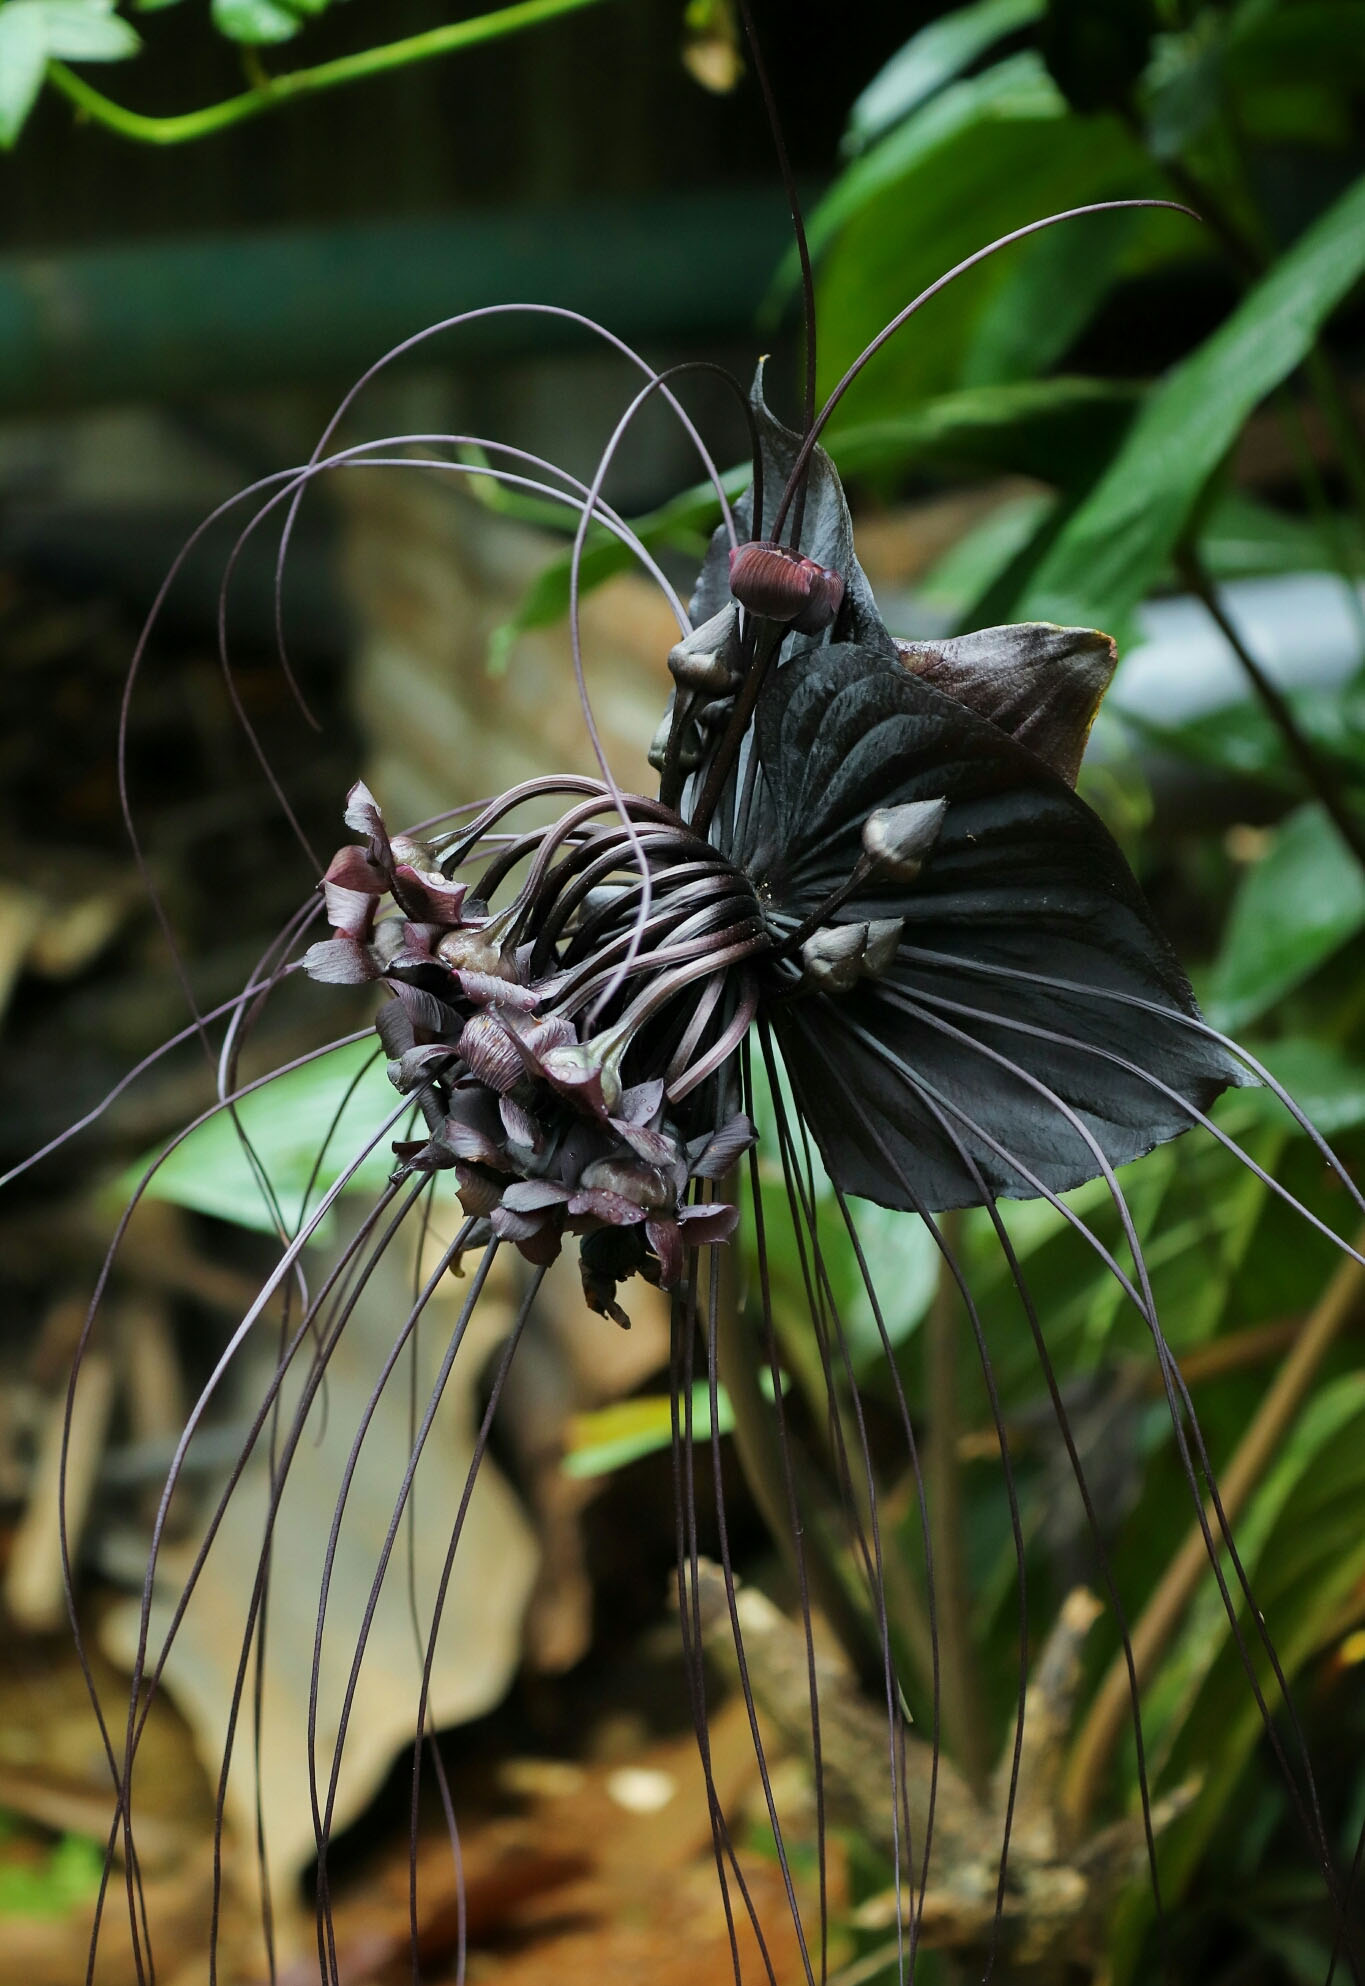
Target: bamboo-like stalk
(1109, 1712)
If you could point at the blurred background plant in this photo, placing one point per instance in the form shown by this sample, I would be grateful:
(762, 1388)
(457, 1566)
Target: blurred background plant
(1135, 421)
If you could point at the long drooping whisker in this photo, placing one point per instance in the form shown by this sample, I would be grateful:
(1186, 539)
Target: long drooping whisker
(122, 1773)
(906, 1959)
(685, 1312)
(1196, 1024)
(322, 1817)
(149, 1061)
(817, 426)
(428, 1654)
(1061, 1039)
(983, 1355)
(736, 1633)
(1177, 1396)
(359, 1262)
(794, 1541)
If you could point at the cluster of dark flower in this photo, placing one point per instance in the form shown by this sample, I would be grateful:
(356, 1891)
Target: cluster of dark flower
(528, 1110)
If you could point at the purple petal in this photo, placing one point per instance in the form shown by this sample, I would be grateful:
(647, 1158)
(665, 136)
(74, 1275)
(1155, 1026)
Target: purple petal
(721, 1150)
(351, 912)
(706, 1226)
(340, 962)
(641, 1103)
(665, 1238)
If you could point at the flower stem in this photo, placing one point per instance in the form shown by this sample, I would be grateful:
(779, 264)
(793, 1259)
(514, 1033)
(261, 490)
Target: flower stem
(276, 90)
(1109, 1713)
(1318, 774)
(965, 1725)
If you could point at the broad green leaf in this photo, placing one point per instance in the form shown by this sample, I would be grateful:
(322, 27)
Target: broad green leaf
(64, 1880)
(984, 157)
(1049, 290)
(259, 22)
(938, 54)
(957, 580)
(1296, 907)
(1242, 538)
(1120, 539)
(1060, 430)
(23, 63)
(154, 6)
(610, 1437)
(88, 31)
(289, 1122)
(1328, 1086)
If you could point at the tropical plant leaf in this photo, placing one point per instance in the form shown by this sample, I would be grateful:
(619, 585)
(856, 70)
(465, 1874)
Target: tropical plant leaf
(1295, 908)
(338, 1101)
(972, 164)
(87, 31)
(937, 55)
(260, 23)
(1116, 545)
(23, 64)
(1303, 1545)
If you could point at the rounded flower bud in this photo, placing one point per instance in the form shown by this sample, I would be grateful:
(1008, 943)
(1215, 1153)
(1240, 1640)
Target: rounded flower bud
(779, 584)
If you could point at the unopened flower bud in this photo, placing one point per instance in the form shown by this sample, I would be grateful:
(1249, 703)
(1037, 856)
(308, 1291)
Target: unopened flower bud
(898, 839)
(779, 584)
(708, 658)
(833, 956)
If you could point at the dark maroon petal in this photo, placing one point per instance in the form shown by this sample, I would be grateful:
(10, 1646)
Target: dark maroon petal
(521, 1127)
(640, 1104)
(417, 1065)
(428, 894)
(362, 814)
(352, 869)
(719, 1152)
(425, 1010)
(665, 1238)
(705, 1226)
(613, 1208)
(1042, 684)
(340, 962)
(349, 911)
(491, 1052)
(531, 1196)
(542, 1247)
(510, 1226)
(655, 1147)
(479, 1191)
(394, 1029)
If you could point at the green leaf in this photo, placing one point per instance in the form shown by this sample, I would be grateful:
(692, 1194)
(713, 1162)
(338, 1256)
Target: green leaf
(1242, 539)
(289, 1122)
(1296, 907)
(64, 1881)
(612, 1436)
(1328, 1087)
(1050, 290)
(23, 63)
(1120, 539)
(956, 581)
(938, 54)
(984, 157)
(1303, 1544)
(259, 22)
(88, 31)
(1060, 430)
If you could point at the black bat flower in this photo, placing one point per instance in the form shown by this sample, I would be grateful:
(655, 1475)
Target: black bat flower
(868, 857)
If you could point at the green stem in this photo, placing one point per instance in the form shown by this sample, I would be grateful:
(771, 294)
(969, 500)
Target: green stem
(278, 90)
